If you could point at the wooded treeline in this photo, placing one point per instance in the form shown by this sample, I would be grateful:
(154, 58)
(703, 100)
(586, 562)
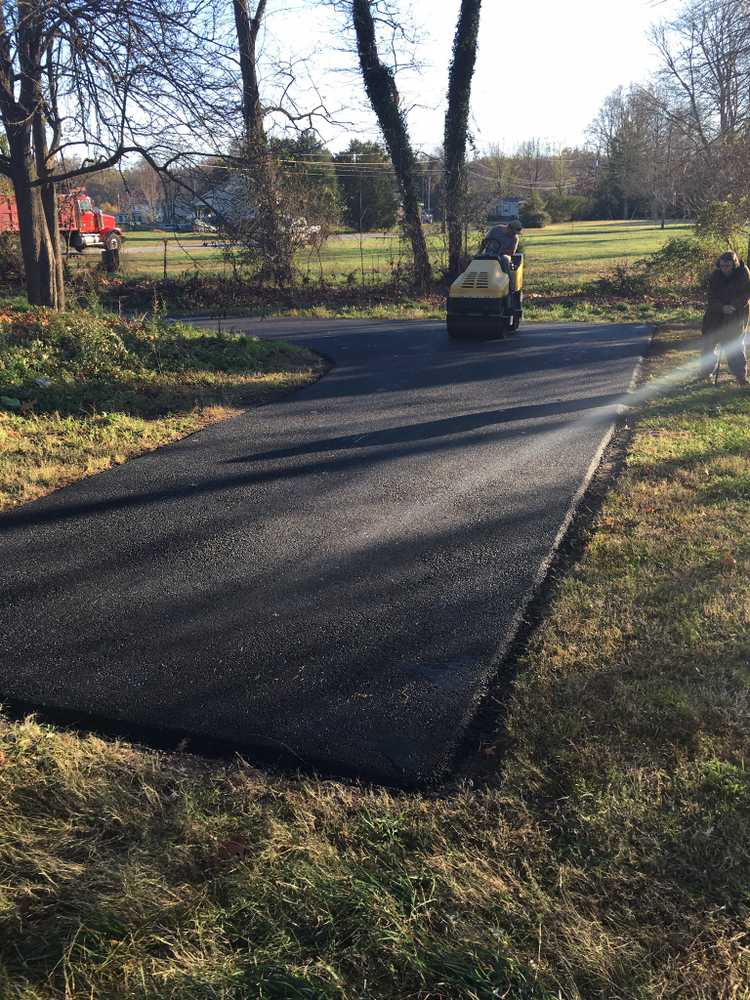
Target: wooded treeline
(673, 144)
(159, 103)
(659, 148)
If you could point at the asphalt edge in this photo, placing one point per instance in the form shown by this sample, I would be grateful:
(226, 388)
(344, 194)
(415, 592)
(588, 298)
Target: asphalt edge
(483, 729)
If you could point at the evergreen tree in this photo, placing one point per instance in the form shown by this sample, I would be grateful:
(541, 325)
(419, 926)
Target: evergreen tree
(534, 213)
(367, 187)
(310, 171)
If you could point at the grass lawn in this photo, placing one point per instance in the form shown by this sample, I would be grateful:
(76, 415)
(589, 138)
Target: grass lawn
(80, 392)
(595, 846)
(563, 264)
(559, 256)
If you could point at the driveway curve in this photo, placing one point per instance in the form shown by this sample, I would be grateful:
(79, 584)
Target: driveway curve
(332, 578)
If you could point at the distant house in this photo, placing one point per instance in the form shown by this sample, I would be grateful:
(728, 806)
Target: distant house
(177, 210)
(136, 214)
(504, 209)
(225, 205)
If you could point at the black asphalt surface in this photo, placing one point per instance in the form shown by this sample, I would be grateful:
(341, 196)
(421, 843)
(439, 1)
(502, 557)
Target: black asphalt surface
(332, 577)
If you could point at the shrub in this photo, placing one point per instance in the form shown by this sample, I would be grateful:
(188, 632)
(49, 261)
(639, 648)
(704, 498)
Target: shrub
(724, 221)
(71, 345)
(625, 280)
(67, 360)
(683, 262)
(534, 214)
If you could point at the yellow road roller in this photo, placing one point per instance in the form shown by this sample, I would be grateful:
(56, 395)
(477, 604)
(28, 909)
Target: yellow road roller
(487, 299)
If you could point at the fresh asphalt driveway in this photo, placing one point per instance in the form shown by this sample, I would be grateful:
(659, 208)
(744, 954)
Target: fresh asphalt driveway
(333, 577)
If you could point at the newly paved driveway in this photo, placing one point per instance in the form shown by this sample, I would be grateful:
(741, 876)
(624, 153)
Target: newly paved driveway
(333, 576)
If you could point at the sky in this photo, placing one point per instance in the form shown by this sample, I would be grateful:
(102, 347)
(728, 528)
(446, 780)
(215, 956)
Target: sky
(543, 70)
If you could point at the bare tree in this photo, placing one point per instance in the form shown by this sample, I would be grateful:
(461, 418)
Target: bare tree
(620, 136)
(144, 182)
(460, 75)
(100, 77)
(270, 229)
(382, 92)
(266, 232)
(531, 162)
(663, 165)
(704, 90)
(562, 176)
(499, 169)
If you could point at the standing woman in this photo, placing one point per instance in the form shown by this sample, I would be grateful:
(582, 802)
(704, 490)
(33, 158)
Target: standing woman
(726, 318)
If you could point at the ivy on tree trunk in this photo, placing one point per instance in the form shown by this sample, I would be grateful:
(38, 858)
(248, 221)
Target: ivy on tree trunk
(456, 127)
(382, 92)
(267, 236)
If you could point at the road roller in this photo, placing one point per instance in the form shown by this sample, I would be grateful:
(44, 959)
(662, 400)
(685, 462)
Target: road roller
(487, 299)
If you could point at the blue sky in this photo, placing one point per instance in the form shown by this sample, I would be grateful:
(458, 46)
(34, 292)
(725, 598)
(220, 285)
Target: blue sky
(543, 70)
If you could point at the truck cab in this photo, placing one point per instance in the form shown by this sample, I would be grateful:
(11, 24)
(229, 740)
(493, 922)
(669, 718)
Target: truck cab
(83, 225)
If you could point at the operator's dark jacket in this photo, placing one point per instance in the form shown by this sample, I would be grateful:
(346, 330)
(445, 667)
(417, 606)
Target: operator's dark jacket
(733, 290)
(507, 239)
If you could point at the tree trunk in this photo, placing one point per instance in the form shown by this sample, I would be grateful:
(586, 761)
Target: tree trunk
(384, 98)
(49, 202)
(24, 123)
(456, 126)
(50, 206)
(274, 247)
(36, 245)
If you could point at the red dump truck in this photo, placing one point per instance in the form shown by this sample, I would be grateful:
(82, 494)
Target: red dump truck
(81, 225)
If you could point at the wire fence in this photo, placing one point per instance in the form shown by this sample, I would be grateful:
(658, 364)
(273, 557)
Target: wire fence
(348, 260)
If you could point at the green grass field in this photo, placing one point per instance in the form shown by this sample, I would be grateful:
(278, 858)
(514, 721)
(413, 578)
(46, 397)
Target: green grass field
(563, 263)
(571, 253)
(559, 256)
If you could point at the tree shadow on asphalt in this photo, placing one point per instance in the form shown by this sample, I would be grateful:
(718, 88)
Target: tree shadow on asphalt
(158, 658)
(457, 363)
(403, 440)
(400, 442)
(360, 689)
(436, 428)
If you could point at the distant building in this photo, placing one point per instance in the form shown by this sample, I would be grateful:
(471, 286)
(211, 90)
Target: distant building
(504, 209)
(225, 205)
(136, 214)
(177, 210)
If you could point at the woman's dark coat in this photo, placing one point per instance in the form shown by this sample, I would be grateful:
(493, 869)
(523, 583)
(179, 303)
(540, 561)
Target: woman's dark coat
(733, 290)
